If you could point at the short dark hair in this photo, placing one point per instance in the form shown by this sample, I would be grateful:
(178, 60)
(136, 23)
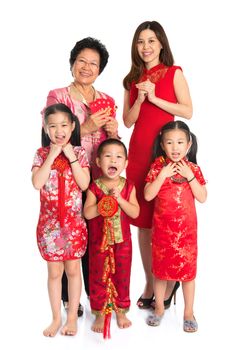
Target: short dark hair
(111, 142)
(93, 44)
(53, 109)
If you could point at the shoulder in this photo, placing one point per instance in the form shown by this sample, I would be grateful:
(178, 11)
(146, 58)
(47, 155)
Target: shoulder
(197, 173)
(174, 68)
(59, 92)
(43, 151)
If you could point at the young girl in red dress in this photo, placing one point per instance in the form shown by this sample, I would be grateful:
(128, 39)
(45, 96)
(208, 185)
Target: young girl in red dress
(175, 180)
(111, 201)
(61, 172)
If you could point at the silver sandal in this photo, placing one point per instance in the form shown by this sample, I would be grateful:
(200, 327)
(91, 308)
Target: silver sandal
(190, 326)
(154, 320)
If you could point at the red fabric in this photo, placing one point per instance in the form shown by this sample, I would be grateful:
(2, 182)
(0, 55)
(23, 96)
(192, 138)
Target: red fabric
(174, 234)
(122, 253)
(61, 164)
(151, 119)
(61, 229)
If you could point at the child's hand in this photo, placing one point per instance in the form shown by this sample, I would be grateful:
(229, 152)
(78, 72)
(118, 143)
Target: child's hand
(168, 170)
(115, 192)
(184, 170)
(69, 152)
(55, 150)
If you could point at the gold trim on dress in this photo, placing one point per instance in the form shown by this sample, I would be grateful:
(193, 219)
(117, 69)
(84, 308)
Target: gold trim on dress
(118, 235)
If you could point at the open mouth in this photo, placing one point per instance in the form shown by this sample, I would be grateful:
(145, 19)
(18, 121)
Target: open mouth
(60, 139)
(112, 170)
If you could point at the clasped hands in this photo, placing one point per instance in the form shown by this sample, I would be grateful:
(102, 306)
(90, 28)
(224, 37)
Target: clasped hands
(145, 88)
(180, 167)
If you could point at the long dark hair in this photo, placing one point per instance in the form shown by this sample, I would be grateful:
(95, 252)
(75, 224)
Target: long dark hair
(53, 109)
(178, 124)
(138, 65)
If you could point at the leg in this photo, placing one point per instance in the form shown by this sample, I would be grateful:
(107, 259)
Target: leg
(72, 268)
(144, 240)
(85, 270)
(64, 288)
(121, 280)
(190, 324)
(159, 292)
(65, 296)
(55, 271)
(85, 258)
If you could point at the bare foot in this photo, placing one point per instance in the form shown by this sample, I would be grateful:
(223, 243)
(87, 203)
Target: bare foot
(98, 324)
(122, 320)
(70, 327)
(53, 328)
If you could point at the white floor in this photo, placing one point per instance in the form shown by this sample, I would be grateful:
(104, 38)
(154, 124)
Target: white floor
(26, 309)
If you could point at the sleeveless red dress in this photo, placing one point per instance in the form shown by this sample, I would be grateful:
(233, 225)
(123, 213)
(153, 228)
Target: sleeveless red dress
(151, 119)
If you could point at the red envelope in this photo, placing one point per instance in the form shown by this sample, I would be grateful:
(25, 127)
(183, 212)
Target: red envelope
(102, 103)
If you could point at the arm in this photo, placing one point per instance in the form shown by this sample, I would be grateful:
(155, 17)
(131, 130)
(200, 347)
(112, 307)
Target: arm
(41, 174)
(183, 107)
(81, 175)
(131, 207)
(152, 188)
(90, 207)
(199, 191)
(130, 114)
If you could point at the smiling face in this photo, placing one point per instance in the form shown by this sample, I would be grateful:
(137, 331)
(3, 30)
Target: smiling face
(59, 128)
(112, 161)
(175, 144)
(149, 47)
(86, 67)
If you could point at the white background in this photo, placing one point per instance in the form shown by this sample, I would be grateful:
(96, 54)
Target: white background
(36, 39)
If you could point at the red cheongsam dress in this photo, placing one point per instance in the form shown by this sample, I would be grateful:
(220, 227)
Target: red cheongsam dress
(122, 248)
(174, 235)
(150, 121)
(61, 229)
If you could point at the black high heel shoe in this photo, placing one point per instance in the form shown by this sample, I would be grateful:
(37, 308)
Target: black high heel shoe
(167, 302)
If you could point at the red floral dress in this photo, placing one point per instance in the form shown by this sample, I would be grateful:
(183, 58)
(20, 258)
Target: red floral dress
(150, 121)
(61, 229)
(174, 234)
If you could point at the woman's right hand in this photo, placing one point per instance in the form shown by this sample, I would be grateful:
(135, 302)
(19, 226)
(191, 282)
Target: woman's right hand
(94, 122)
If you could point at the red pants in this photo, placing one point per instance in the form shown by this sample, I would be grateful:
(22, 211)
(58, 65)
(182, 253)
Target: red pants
(121, 278)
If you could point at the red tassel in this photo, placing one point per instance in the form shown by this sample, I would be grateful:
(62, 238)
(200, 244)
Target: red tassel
(106, 330)
(61, 198)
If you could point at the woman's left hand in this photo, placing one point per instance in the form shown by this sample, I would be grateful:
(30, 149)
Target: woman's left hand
(111, 127)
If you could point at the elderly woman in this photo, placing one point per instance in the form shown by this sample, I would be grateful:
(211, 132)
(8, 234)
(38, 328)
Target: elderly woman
(88, 59)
